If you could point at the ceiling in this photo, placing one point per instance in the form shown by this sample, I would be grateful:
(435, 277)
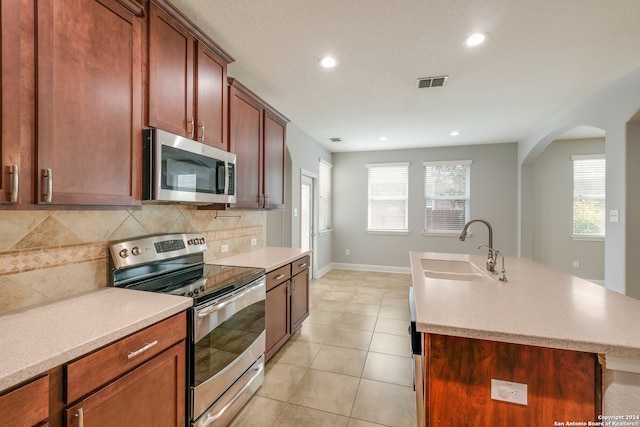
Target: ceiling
(541, 58)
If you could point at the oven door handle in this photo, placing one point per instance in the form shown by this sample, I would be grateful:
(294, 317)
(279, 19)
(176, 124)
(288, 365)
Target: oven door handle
(222, 303)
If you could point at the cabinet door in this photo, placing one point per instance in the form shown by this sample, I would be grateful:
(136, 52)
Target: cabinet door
(151, 395)
(273, 168)
(170, 75)
(277, 318)
(10, 100)
(88, 103)
(211, 102)
(27, 405)
(299, 299)
(245, 140)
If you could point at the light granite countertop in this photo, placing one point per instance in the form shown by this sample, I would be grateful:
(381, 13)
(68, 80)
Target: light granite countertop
(268, 258)
(537, 306)
(42, 337)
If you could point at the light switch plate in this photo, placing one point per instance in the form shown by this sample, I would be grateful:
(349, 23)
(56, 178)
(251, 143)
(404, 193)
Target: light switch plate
(254, 241)
(224, 248)
(614, 215)
(509, 392)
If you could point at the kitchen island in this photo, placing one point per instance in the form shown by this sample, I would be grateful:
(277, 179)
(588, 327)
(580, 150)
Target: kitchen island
(540, 327)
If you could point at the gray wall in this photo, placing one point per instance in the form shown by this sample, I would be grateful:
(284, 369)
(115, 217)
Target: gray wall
(304, 153)
(493, 197)
(553, 205)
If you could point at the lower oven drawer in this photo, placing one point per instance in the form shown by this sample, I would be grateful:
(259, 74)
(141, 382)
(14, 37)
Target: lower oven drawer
(230, 403)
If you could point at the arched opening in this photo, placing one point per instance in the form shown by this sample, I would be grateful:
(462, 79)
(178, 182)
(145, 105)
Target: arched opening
(568, 226)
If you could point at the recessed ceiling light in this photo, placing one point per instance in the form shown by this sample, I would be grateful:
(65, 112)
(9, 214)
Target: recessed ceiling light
(475, 39)
(454, 133)
(383, 138)
(328, 62)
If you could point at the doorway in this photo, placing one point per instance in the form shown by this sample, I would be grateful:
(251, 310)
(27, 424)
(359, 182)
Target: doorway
(308, 185)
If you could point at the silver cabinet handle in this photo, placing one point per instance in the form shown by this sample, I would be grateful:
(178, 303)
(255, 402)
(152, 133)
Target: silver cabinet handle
(303, 265)
(80, 416)
(133, 354)
(14, 187)
(280, 277)
(201, 126)
(47, 184)
(192, 127)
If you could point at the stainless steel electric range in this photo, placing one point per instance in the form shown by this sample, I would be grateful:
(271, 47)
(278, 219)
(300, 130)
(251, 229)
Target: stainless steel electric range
(226, 323)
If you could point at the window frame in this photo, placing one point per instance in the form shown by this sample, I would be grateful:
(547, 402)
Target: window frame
(603, 197)
(396, 231)
(325, 196)
(427, 197)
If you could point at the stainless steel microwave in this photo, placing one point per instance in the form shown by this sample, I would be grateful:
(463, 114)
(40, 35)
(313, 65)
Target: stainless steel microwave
(177, 169)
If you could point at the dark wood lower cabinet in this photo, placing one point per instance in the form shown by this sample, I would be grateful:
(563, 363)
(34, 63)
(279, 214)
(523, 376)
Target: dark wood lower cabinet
(562, 385)
(299, 299)
(277, 318)
(287, 304)
(151, 395)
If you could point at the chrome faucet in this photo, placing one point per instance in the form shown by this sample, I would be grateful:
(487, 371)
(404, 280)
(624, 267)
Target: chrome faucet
(491, 261)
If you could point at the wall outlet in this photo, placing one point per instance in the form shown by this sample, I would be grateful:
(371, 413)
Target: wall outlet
(224, 248)
(576, 263)
(347, 252)
(254, 241)
(509, 392)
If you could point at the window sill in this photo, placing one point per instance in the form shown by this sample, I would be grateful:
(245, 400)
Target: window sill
(455, 234)
(583, 238)
(389, 232)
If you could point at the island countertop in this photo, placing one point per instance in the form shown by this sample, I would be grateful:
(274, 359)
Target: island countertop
(537, 306)
(269, 258)
(45, 336)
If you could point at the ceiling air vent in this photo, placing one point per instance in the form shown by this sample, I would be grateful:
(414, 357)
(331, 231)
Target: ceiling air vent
(432, 81)
(335, 139)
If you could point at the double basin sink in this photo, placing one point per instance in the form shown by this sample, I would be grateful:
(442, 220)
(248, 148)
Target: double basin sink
(455, 270)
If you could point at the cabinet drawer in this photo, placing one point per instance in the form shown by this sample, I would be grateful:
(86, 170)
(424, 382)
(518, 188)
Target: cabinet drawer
(98, 368)
(278, 276)
(26, 405)
(299, 265)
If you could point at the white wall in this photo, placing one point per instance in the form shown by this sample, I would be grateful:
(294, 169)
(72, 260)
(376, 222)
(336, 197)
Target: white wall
(493, 197)
(304, 153)
(553, 208)
(614, 109)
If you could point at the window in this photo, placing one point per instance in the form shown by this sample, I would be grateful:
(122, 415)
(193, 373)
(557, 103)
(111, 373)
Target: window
(446, 194)
(324, 187)
(589, 195)
(388, 197)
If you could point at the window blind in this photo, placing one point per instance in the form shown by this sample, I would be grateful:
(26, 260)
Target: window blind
(324, 188)
(388, 197)
(589, 173)
(447, 195)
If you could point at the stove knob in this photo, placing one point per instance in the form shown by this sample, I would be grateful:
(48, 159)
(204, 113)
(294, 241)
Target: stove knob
(123, 253)
(202, 288)
(196, 291)
(202, 240)
(190, 242)
(190, 294)
(136, 250)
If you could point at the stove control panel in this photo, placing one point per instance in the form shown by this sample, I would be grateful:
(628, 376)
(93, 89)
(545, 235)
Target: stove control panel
(155, 248)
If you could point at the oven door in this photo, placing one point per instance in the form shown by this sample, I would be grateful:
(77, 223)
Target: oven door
(227, 349)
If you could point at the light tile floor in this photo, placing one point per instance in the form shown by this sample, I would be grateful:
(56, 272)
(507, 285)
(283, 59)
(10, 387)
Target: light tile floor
(349, 365)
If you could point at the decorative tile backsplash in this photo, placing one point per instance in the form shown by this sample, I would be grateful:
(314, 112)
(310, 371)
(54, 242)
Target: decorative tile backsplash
(46, 255)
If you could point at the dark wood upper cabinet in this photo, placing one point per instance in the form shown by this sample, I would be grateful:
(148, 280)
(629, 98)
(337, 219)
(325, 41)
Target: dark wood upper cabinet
(170, 74)
(88, 101)
(187, 92)
(10, 104)
(257, 137)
